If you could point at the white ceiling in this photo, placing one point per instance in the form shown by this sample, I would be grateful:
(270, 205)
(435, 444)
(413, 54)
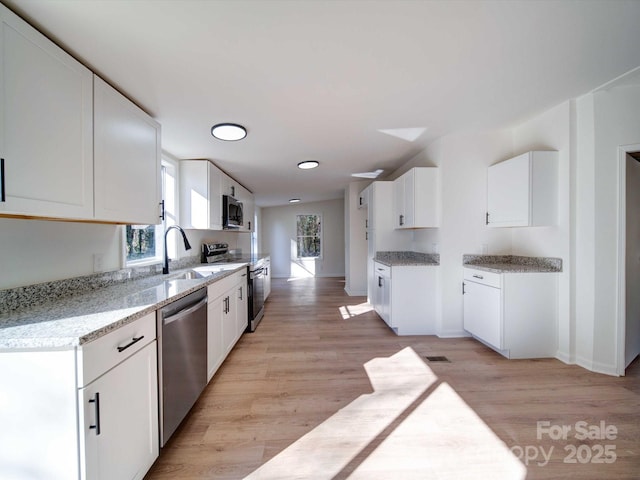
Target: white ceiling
(320, 79)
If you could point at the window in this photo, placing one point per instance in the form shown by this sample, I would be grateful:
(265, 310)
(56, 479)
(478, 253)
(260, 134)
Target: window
(143, 243)
(309, 236)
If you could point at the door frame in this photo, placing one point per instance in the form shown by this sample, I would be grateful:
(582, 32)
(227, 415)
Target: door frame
(621, 317)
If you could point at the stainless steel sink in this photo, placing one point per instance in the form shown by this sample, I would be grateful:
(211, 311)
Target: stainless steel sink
(188, 275)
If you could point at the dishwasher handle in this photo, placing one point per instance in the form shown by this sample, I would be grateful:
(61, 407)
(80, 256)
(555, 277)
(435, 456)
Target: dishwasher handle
(184, 313)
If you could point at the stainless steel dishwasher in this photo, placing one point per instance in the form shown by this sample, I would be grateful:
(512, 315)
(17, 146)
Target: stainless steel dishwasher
(182, 358)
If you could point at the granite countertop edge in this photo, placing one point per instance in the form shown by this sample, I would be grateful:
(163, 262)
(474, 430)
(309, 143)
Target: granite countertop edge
(512, 263)
(75, 320)
(407, 259)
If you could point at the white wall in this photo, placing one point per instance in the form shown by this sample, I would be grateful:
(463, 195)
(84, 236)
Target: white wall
(279, 234)
(355, 241)
(607, 119)
(552, 130)
(36, 251)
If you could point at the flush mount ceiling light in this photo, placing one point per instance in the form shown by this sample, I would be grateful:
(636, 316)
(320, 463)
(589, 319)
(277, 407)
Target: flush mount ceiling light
(308, 164)
(229, 132)
(294, 200)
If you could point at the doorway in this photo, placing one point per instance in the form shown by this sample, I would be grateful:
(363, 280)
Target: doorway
(629, 257)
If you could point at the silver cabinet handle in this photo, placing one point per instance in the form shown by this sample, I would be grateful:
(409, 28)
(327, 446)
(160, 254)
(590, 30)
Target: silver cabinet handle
(478, 276)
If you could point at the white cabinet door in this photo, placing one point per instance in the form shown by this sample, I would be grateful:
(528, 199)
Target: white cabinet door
(119, 419)
(508, 192)
(416, 199)
(200, 195)
(242, 308)
(229, 327)
(399, 203)
(363, 198)
(522, 191)
(245, 197)
(126, 159)
(215, 346)
(267, 278)
(46, 120)
(483, 312)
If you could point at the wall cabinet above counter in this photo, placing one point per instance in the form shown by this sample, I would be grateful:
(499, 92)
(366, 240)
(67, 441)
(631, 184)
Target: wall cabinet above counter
(523, 191)
(416, 199)
(202, 185)
(70, 139)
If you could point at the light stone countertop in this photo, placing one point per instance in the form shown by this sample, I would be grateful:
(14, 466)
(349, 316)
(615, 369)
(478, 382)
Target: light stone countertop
(404, 258)
(512, 263)
(77, 319)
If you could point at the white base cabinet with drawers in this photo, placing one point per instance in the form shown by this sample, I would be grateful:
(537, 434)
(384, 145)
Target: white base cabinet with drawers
(86, 413)
(513, 313)
(405, 298)
(227, 318)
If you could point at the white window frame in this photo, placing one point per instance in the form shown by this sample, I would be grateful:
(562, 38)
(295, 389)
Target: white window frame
(320, 235)
(169, 166)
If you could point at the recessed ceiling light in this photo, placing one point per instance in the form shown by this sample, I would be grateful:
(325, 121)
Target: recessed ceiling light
(228, 131)
(294, 200)
(308, 164)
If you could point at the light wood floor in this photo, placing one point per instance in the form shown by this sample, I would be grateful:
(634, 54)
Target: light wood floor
(324, 390)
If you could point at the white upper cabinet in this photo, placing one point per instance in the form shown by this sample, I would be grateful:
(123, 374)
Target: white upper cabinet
(200, 195)
(416, 199)
(230, 186)
(245, 197)
(46, 138)
(523, 191)
(127, 159)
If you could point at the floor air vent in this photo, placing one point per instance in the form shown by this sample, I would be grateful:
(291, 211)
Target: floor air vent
(437, 358)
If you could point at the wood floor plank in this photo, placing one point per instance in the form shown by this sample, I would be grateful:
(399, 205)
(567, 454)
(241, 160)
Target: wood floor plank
(324, 390)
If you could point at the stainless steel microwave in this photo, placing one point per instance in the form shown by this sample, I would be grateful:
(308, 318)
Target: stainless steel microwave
(231, 213)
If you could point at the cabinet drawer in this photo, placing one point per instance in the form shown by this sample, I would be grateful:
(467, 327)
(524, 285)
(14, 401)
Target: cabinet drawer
(222, 286)
(104, 353)
(382, 270)
(485, 278)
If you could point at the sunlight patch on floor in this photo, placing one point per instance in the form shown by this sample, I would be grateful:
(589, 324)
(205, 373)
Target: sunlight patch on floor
(411, 426)
(350, 311)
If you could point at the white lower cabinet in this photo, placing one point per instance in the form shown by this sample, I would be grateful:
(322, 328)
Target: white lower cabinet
(227, 318)
(513, 313)
(405, 297)
(126, 444)
(86, 413)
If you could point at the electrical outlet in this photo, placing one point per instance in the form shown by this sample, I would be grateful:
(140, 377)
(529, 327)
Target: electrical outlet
(98, 262)
(435, 248)
(485, 249)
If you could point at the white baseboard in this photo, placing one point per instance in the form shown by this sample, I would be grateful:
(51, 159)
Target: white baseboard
(565, 358)
(452, 334)
(355, 293)
(319, 275)
(597, 367)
